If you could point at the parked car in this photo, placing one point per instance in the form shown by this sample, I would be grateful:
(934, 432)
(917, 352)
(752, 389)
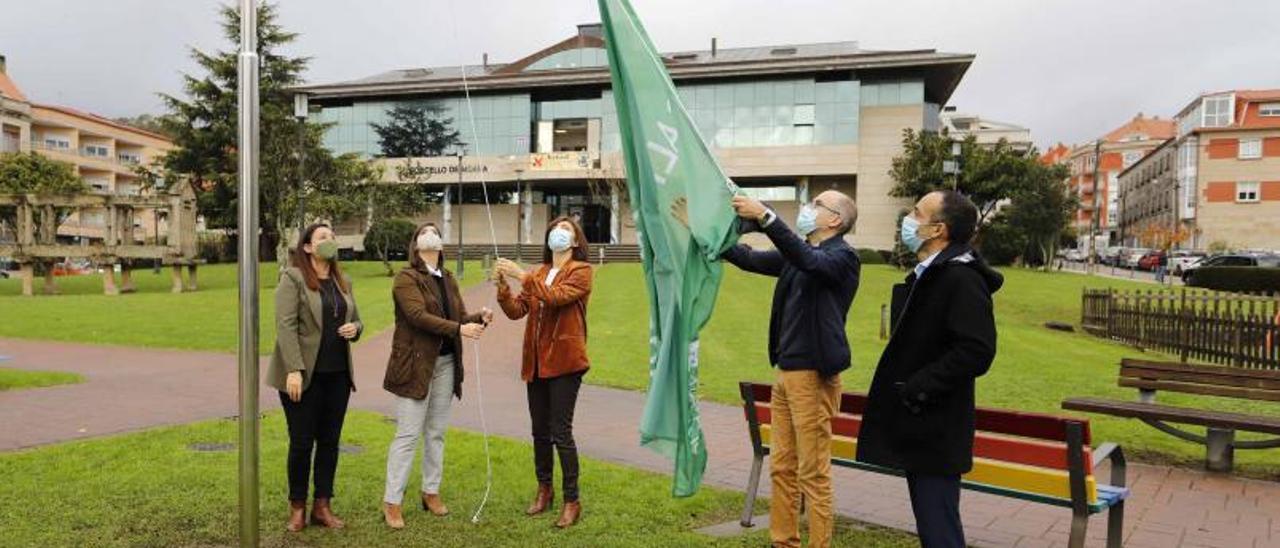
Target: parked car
(1230, 260)
(1132, 256)
(1181, 259)
(1074, 255)
(1151, 259)
(1112, 255)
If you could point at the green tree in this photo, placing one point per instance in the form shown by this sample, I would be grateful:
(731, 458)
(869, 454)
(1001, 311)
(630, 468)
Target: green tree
(148, 122)
(988, 174)
(416, 131)
(203, 124)
(1041, 210)
(385, 238)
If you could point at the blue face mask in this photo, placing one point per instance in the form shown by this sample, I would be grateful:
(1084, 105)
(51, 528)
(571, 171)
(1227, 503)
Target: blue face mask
(559, 239)
(807, 220)
(909, 234)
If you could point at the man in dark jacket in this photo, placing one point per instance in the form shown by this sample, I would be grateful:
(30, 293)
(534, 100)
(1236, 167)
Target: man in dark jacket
(920, 413)
(817, 279)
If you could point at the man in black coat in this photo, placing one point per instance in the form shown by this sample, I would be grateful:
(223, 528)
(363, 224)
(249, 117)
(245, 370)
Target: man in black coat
(920, 410)
(817, 280)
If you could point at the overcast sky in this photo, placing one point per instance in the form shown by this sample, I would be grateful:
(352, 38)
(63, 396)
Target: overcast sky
(1069, 70)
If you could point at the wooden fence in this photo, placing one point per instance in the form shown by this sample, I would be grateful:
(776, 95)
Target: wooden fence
(1225, 328)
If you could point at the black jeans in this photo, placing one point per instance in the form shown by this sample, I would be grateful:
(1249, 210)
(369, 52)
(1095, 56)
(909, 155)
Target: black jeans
(551, 404)
(935, 501)
(315, 423)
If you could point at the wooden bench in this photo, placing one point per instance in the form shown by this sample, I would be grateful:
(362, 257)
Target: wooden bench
(1028, 456)
(1190, 378)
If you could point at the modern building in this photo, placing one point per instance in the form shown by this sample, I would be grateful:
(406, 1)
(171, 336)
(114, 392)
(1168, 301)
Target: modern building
(104, 153)
(1111, 154)
(1228, 169)
(786, 122)
(984, 130)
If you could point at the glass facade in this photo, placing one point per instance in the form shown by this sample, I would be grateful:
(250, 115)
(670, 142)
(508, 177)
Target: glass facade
(502, 124)
(571, 59)
(792, 112)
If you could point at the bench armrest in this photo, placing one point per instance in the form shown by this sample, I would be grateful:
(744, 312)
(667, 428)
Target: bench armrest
(1112, 452)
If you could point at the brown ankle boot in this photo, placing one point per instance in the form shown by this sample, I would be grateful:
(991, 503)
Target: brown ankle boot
(433, 504)
(542, 500)
(297, 516)
(322, 514)
(570, 514)
(391, 514)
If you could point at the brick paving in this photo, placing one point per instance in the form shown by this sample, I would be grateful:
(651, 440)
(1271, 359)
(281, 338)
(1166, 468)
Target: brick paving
(128, 389)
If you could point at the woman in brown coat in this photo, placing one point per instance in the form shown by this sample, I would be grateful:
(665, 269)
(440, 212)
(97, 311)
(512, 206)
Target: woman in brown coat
(554, 297)
(425, 369)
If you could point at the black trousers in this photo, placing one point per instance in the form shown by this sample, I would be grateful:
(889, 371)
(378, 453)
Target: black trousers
(935, 501)
(315, 426)
(551, 404)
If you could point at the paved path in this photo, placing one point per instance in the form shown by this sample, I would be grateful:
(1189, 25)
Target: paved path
(128, 389)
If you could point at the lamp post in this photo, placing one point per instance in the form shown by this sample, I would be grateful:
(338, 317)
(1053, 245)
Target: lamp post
(459, 154)
(248, 271)
(952, 167)
(300, 111)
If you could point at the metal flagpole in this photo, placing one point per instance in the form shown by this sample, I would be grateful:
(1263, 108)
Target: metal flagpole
(248, 271)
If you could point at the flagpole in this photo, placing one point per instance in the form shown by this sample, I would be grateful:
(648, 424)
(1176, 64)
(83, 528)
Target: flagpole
(248, 270)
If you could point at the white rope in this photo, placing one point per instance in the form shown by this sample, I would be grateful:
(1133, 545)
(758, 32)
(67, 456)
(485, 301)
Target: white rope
(493, 238)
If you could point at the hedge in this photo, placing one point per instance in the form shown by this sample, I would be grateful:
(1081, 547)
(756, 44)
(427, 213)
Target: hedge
(1236, 278)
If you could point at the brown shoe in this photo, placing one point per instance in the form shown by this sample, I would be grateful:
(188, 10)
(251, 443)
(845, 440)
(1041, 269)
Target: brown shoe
(433, 504)
(297, 516)
(391, 514)
(569, 515)
(542, 500)
(322, 514)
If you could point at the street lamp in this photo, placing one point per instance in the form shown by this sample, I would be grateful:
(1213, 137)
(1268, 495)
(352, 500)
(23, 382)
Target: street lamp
(459, 154)
(300, 111)
(952, 167)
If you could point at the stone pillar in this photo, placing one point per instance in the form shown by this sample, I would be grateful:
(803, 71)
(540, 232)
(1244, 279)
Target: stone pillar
(50, 286)
(615, 212)
(446, 216)
(527, 205)
(28, 275)
(126, 278)
(191, 277)
(109, 280)
(177, 279)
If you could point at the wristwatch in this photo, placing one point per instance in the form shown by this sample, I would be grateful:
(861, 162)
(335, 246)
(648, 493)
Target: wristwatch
(768, 218)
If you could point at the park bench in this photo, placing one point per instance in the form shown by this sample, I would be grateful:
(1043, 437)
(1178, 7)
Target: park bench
(1192, 378)
(1028, 456)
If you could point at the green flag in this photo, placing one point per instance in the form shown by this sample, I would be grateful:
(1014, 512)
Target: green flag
(680, 200)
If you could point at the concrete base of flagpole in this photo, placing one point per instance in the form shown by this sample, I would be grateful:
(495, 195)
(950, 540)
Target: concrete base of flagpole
(734, 528)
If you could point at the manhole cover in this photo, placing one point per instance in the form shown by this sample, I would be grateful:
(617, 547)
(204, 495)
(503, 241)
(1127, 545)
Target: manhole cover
(211, 447)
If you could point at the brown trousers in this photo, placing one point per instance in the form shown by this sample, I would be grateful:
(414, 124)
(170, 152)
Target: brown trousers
(800, 456)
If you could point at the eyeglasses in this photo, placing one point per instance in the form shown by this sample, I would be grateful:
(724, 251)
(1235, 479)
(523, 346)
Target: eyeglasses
(819, 204)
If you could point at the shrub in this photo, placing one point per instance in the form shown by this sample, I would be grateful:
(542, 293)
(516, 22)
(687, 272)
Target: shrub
(1236, 278)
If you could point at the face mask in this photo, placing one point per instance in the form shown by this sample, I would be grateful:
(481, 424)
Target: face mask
(326, 250)
(430, 241)
(807, 220)
(909, 234)
(559, 240)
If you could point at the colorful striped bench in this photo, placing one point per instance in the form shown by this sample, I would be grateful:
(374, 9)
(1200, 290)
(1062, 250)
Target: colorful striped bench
(1028, 456)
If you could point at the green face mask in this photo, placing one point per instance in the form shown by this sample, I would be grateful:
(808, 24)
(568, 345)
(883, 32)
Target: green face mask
(326, 250)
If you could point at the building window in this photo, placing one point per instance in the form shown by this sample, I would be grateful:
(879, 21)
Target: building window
(1131, 157)
(1269, 109)
(130, 158)
(57, 143)
(97, 151)
(1247, 191)
(803, 115)
(1250, 149)
(1217, 111)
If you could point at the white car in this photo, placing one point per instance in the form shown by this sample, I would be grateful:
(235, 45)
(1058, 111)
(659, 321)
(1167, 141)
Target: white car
(1074, 255)
(1132, 256)
(1181, 260)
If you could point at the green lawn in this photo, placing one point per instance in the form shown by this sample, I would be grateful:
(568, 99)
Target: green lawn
(150, 489)
(16, 379)
(154, 317)
(1034, 371)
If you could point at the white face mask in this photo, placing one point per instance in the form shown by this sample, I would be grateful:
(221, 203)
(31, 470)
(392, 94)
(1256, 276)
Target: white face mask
(430, 241)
